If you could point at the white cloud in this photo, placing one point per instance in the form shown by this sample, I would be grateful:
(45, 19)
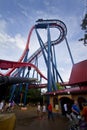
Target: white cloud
(20, 41)
(3, 25)
(17, 41)
(10, 44)
(23, 10)
(0, 16)
(11, 20)
(4, 38)
(79, 51)
(25, 13)
(46, 3)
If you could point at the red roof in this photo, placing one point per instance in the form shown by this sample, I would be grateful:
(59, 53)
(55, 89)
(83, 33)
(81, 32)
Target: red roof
(72, 90)
(78, 74)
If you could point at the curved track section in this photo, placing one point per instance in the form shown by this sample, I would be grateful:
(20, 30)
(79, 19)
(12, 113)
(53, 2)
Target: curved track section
(42, 24)
(53, 23)
(11, 64)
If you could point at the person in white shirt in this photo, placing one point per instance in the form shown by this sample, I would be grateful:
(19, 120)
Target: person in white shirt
(39, 110)
(67, 114)
(44, 110)
(65, 109)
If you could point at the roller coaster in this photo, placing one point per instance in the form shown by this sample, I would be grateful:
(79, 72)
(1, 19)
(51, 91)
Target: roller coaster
(19, 72)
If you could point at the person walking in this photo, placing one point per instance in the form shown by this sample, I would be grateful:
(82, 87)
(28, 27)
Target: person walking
(39, 110)
(50, 112)
(75, 111)
(44, 110)
(75, 108)
(65, 109)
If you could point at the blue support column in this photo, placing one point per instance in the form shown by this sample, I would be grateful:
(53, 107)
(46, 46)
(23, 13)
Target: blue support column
(43, 47)
(12, 92)
(69, 51)
(49, 62)
(56, 76)
(25, 96)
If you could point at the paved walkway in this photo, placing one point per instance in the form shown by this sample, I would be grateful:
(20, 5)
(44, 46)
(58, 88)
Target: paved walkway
(31, 122)
(28, 120)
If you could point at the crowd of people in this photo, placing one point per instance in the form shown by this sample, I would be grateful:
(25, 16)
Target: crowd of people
(76, 115)
(41, 110)
(44, 110)
(71, 114)
(73, 111)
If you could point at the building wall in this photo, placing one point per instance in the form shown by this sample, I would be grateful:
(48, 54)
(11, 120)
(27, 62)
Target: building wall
(57, 107)
(75, 96)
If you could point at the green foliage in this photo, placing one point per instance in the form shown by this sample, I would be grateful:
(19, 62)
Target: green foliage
(59, 86)
(84, 23)
(84, 27)
(34, 95)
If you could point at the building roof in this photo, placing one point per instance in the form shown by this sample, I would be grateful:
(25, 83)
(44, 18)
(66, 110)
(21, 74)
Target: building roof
(73, 90)
(78, 74)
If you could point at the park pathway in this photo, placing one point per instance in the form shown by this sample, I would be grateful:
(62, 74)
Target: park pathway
(28, 120)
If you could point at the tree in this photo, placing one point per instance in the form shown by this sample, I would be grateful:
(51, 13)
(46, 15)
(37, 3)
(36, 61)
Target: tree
(84, 27)
(34, 96)
(84, 23)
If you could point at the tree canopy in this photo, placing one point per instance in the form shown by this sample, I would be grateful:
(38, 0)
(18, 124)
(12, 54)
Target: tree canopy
(84, 27)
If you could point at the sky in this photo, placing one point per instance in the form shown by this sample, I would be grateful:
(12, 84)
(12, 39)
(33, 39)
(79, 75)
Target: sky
(17, 18)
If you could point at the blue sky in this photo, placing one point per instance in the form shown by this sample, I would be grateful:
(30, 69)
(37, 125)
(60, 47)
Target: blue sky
(18, 16)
